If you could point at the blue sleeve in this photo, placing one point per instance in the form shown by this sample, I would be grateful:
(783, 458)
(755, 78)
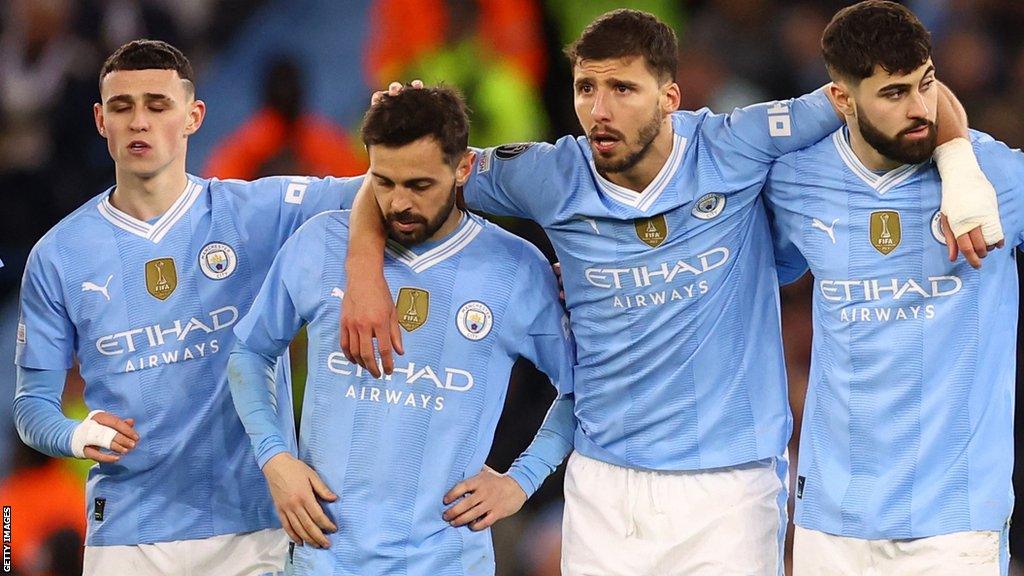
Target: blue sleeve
(549, 448)
(747, 141)
(274, 318)
(46, 336)
(780, 192)
(514, 180)
(1004, 167)
(37, 411)
(253, 391)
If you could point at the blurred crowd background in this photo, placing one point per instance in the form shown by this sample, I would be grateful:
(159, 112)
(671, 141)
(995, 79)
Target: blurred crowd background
(286, 83)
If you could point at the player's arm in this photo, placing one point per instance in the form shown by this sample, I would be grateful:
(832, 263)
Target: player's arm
(487, 497)
(781, 192)
(43, 354)
(42, 425)
(263, 335)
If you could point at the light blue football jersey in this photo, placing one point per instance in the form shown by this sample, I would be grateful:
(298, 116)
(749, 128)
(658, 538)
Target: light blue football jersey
(672, 291)
(147, 308)
(908, 422)
(469, 306)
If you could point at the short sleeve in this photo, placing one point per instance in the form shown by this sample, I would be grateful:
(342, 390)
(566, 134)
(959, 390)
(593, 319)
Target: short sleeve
(514, 180)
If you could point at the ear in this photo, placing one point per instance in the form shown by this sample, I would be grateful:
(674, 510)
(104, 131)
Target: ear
(196, 114)
(465, 167)
(670, 98)
(842, 98)
(97, 114)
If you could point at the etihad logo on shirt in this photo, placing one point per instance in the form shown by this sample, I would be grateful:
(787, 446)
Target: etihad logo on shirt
(652, 231)
(161, 278)
(885, 231)
(665, 272)
(911, 298)
(138, 341)
(413, 305)
(437, 379)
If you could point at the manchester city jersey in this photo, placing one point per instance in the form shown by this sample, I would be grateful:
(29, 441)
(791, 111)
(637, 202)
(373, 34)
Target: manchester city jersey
(469, 305)
(908, 422)
(147, 308)
(672, 291)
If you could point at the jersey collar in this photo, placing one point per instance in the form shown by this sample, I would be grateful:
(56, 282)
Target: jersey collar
(467, 230)
(644, 200)
(881, 183)
(156, 231)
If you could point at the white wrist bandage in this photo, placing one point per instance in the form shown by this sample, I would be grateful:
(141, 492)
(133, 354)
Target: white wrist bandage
(91, 433)
(968, 198)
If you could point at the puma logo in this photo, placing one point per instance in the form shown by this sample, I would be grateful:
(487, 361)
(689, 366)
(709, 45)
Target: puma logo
(90, 287)
(815, 223)
(592, 222)
(338, 293)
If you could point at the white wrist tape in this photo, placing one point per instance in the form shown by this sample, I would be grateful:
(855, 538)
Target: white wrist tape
(91, 433)
(968, 198)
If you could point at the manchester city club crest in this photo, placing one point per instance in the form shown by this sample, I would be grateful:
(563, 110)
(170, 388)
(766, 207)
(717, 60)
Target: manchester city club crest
(217, 260)
(413, 306)
(474, 320)
(708, 206)
(161, 278)
(885, 230)
(652, 231)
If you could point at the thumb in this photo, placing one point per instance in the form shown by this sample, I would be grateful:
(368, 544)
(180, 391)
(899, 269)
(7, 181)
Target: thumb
(321, 489)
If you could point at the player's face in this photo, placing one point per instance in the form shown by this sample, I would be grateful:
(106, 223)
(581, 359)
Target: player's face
(415, 188)
(621, 106)
(896, 113)
(146, 117)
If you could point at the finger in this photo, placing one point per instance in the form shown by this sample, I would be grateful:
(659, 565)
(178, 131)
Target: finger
(94, 453)
(111, 421)
(468, 516)
(396, 334)
(288, 526)
(118, 447)
(345, 343)
(1001, 243)
(394, 88)
(320, 489)
(353, 346)
(376, 97)
(298, 527)
(486, 521)
(978, 240)
(316, 534)
(316, 513)
(417, 83)
(384, 348)
(967, 249)
(557, 267)
(463, 506)
(366, 357)
(458, 491)
(950, 238)
(124, 441)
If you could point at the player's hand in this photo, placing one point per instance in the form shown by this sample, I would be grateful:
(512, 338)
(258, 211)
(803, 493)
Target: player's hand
(295, 488)
(393, 89)
(557, 267)
(971, 244)
(368, 314)
(486, 498)
(123, 441)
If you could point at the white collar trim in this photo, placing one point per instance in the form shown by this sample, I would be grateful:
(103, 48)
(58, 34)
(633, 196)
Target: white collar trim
(456, 242)
(644, 200)
(153, 232)
(880, 183)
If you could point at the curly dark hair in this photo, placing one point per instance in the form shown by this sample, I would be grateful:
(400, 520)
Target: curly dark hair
(413, 113)
(623, 33)
(874, 33)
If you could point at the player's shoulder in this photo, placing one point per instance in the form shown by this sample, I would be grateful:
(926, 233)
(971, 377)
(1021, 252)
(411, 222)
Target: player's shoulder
(495, 239)
(322, 224)
(266, 189)
(76, 229)
(997, 159)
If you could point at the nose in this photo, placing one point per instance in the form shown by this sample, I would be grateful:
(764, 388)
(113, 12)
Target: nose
(918, 106)
(401, 199)
(140, 121)
(600, 111)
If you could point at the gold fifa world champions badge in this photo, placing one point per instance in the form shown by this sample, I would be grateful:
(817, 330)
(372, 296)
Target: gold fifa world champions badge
(161, 278)
(652, 231)
(413, 306)
(885, 230)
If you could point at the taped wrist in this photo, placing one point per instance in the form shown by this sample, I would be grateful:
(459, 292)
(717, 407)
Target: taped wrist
(91, 433)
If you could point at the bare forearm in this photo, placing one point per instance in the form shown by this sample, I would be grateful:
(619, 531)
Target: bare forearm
(366, 236)
(951, 118)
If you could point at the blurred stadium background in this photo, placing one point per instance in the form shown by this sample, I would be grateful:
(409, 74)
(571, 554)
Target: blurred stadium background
(286, 83)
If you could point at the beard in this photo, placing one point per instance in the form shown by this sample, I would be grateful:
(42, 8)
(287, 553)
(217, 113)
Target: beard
(428, 226)
(898, 148)
(644, 138)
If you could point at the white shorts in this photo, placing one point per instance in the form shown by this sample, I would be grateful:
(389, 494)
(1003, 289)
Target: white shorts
(626, 522)
(958, 554)
(250, 554)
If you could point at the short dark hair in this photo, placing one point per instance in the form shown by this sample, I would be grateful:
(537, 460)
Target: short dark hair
(874, 33)
(149, 55)
(623, 33)
(438, 112)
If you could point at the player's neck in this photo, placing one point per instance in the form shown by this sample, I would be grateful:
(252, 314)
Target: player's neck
(146, 198)
(646, 170)
(871, 159)
(449, 226)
